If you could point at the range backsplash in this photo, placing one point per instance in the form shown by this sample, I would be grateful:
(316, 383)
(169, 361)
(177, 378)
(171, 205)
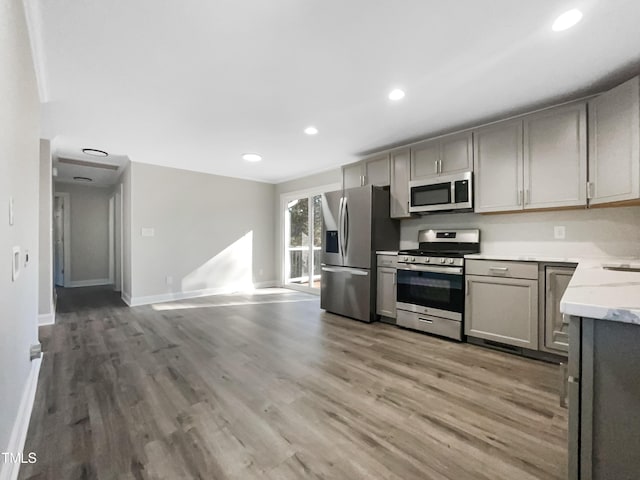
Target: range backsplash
(589, 233)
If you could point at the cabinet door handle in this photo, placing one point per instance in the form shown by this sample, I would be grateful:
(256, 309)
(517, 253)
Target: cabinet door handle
(435, 166)
(425, 320)
(499, 269)
(590, 190)
(519, 197)
(467, 289)
(440, 165)
(528, 197)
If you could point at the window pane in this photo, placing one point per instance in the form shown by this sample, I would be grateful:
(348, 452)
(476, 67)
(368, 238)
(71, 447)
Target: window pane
(299, 222)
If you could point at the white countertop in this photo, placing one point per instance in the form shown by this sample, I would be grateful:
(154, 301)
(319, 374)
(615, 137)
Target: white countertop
(596, 292)
(522, 258)
(387, 252)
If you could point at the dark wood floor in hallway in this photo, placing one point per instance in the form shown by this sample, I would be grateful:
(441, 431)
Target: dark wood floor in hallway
(269, 386)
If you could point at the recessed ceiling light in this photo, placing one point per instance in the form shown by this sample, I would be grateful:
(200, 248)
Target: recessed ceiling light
(567, 20)
(83, 179)
(95, 152)
(251, 157)
(396, 94)
(311, 130)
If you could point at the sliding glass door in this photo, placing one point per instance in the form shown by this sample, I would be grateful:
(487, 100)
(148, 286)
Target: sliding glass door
(302, 242)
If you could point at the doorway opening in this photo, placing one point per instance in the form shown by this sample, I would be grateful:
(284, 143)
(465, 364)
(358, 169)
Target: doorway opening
(61, 236)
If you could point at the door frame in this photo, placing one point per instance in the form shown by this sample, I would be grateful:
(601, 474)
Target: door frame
(66, 236)
(282, 247)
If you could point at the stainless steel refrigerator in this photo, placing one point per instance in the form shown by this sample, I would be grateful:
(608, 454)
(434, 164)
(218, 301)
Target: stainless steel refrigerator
(356, 224)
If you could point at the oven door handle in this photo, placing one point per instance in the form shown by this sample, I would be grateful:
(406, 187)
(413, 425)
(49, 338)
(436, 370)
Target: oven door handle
(420, 268)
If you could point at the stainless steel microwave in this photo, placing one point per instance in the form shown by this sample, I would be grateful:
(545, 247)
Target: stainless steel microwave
(443, 193)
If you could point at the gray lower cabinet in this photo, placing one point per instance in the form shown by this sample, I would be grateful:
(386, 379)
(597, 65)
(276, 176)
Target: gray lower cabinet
(501, 305)
(604, 400)
(399, 190)
(386, 292)
(556, 334)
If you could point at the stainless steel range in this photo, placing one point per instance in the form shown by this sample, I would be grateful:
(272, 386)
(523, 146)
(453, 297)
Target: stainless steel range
(430, 282)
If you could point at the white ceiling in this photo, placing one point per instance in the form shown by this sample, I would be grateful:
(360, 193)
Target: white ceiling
(196, 83)
(71, 162)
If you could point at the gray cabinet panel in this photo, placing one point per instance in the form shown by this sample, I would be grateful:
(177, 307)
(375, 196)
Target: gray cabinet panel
(556, 335)
(498, 167)
(442, 156)
(504, 310)
(555, 158)
(352, 175)
(425, 160)
(456, 153)
(614, 144)
(386, 292)
(399, 190)
(376, 171)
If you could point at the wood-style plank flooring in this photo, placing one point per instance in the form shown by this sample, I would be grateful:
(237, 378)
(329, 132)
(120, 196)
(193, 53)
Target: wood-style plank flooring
(269, 386)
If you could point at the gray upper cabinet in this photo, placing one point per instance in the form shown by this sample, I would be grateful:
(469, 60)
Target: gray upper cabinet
(555, 158)
(376, 171)
(352, 175)
(614, 144)
(371, 171)
(498, 167)
(556, 335)
(399, 191)
(456, 153)
(444, 155)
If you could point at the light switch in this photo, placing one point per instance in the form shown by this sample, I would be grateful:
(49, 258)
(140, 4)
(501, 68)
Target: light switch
(148, 232)
(559, 233)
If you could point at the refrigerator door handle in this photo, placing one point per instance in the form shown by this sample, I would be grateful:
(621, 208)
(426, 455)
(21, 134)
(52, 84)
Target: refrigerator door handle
(346, 225)
(340, 234)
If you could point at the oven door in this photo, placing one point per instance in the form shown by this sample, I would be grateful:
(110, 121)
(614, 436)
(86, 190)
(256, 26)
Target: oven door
(437, 291)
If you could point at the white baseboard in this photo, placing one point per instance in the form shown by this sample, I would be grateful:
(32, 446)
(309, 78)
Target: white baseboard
(9, 471)
(90, 283)
(173, 296)
(126, 298)
(46, 319)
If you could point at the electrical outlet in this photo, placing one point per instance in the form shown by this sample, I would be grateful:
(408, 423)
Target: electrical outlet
(559, 232)
(147, 232)
(169, 280)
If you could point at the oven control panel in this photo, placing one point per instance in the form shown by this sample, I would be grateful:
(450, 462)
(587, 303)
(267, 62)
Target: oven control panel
(420, 260)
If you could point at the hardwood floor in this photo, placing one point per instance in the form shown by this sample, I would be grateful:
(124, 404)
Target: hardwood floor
(269, 386)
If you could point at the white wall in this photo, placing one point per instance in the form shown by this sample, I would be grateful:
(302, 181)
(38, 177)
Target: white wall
(125, 182)
(211, 233)
(89, 246)
(19, 178)
(589, 233)
(45, 289)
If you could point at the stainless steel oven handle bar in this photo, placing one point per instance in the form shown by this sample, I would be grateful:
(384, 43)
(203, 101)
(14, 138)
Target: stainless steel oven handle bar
(420, 268)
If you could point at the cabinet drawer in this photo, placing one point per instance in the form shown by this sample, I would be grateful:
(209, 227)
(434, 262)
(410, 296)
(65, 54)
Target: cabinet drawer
(528, 270)
(388, 261)
(426, 323)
